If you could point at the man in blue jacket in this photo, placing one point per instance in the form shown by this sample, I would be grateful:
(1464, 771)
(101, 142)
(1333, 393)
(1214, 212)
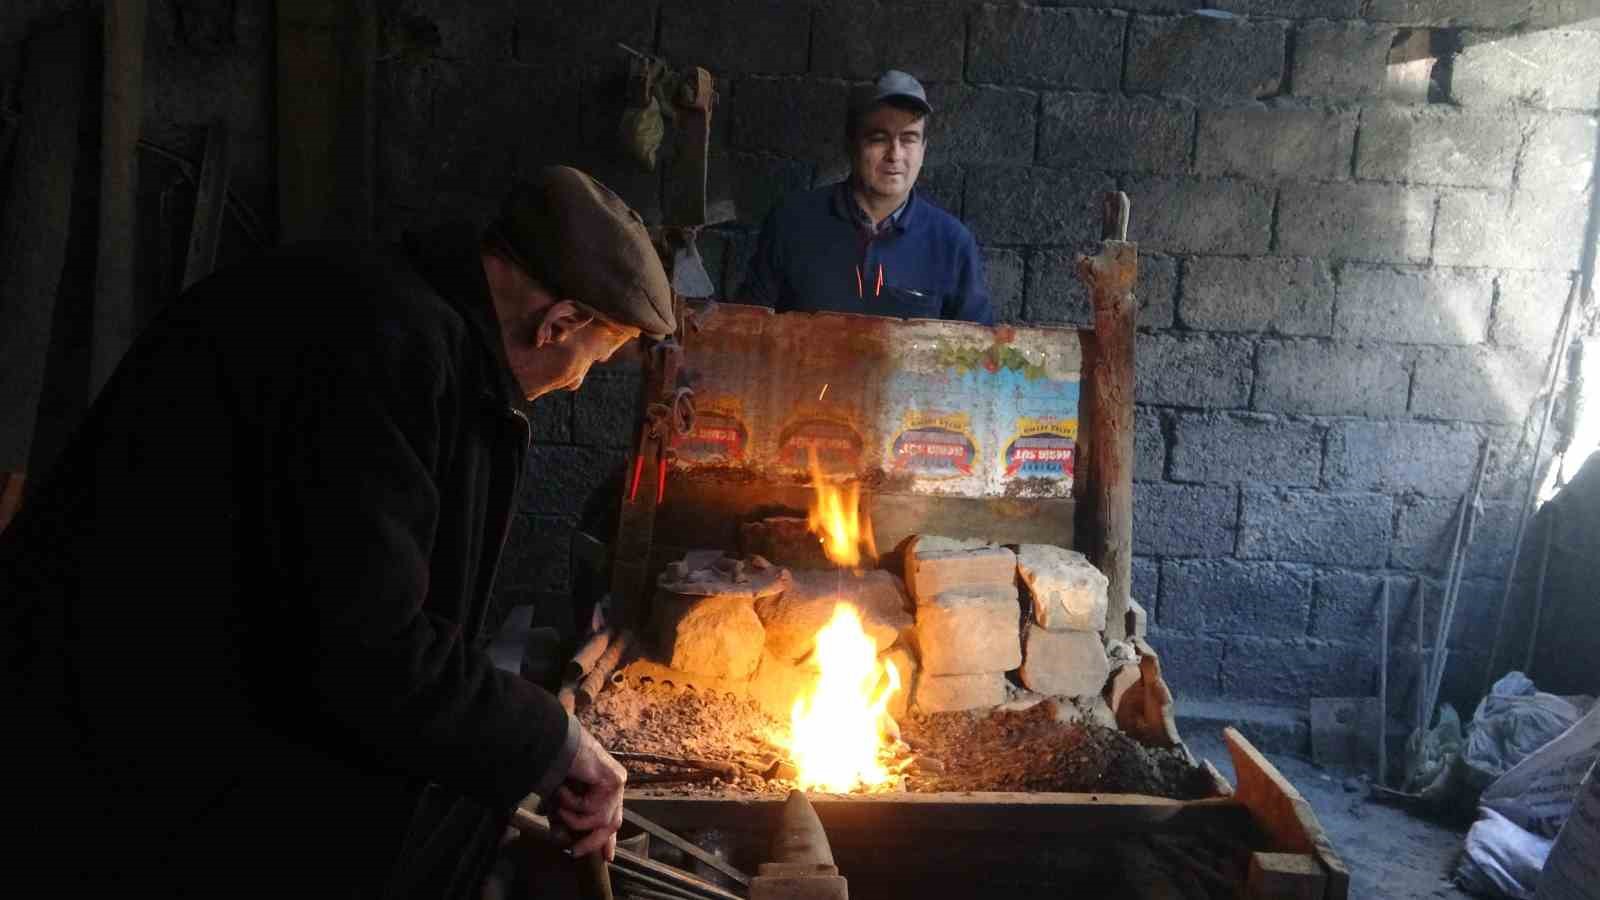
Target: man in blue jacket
(871, 243)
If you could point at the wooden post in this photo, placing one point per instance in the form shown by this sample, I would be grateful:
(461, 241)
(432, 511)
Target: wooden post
(34, 225)
(121, 108)
(1110, 276)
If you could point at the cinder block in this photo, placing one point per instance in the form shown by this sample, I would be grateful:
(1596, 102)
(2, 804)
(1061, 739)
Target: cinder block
(969, 630)
(754, 183)
(981, 125)
(1286, 295)
(1434, 145)
(606, 411)
(944, 185)
(1425, 529)
(1023, 205)
(1476, 384)
(1200, 215)
(1559, 155)
(954, 693)
(1331, 379)
(929, 574)
(1409, 75)
(1528, 310)
(1511, 457)
(1023, 45)
(1149, 445)
(1004, 271)
(1344, 607)
(858, 40)
(1225, 596)
(538, 554)
(1147, 583)
(1064, 663)
(1280, 9)
(1299, 526)
(1212, 447)
(1377, 222)
(795, 117)
(560, 479)
(1066, 592)
(1056, 295)
(1401, 457)
(551, 418)
(1340, 60)
(1183, 520)
(584, 30)
(1294, 671)
(1264, 140)
(1457, 13)
(737, 36)
(1201, 56)
(1203, 371)
(1548, 69)
(1417, 306)
(1115, 132)
(1519, 230)
(1191, 666)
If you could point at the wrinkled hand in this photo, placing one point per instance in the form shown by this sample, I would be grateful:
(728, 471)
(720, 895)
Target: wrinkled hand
(591, 798)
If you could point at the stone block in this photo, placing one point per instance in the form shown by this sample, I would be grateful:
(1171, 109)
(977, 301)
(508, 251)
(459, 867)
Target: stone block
(1438, 145)
(1201, 56)
(538, 554)
(1024, 46)
(715, 636)
(1412, 61)
(793, 117)
(1344, 607)
(1200, 215)
(1146, 583)
(1413, 306)
(778, 683)
(1191, 666)
(969, 630)
(550, 418)
(1225, 596)
(1559, 154)
(930, 573)
(1287, 296)
(858, 41)
(1515, 230)
(586, 31)
(1003, 273)
(1294, 671)
(1183, 520)
(1210, 447)
(944, 185)
(1340, 60)
(1284, 9)
(1401, 457)
(1528, 310)
(907, 670)
(1066, 593)
(1476, 384)
(1425, 529)
(752, 184)
(1116, 132)
(1024, 205)
(1312, 378)
(793, 618)
(981, 124)
(1213, 372)
(1455, 13)
(1064, 663)
(1276, 141)
(1376, 222)
(1056, 295)
(732, 37)
(1149, 445)
(606, 411)
(1547, 69)
(1299, 526)
(955, 693)
(559, 480)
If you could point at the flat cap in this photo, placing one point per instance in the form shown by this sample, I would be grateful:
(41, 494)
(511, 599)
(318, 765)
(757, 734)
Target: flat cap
(579, 239)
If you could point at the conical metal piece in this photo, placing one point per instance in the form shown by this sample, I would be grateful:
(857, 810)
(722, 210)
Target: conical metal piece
(800, 838)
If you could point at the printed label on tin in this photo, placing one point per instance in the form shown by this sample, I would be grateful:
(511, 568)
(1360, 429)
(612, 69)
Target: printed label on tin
(838, 444)
(935, 444)
(1042, 448)
(719, 436)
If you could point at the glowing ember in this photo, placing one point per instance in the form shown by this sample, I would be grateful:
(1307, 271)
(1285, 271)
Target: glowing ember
(835, 517)
(838, 728)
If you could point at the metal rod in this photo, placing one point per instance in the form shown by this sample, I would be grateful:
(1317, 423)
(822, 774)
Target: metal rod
(685, 845)
(1422, 657)
(1538, 588)
(1465, 525)
(1383, 684)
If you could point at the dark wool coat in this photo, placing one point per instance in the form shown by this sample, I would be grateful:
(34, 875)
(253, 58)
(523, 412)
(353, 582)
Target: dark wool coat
(245, 615)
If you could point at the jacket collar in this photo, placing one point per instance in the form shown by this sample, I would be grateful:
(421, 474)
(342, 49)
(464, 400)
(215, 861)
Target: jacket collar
(842, 202)
(447, 257)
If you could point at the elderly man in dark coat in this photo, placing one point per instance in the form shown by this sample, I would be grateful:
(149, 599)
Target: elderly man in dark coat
(245, 617)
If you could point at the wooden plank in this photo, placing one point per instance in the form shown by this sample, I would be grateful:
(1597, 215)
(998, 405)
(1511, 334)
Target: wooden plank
(121, 109)
(1285, 876)
(33, 235)
(1284, 815)
(1110, 276)
(210, 203)
(632, 817)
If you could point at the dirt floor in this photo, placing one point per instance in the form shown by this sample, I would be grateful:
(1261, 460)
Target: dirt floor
(1391, 853)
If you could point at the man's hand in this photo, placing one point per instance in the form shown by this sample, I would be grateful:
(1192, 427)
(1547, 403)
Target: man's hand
(591, 798)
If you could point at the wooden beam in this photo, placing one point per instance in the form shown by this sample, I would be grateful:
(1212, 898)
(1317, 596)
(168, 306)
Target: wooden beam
(1285, 876)
(1110, 277)
(121, 108)
(1284, 815)
(36, 222)
(210, 203)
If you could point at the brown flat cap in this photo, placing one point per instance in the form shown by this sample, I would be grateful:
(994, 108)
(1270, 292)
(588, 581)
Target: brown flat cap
(580, 240)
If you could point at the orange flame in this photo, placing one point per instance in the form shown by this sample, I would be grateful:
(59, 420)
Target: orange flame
(837, 729)
(836, 518)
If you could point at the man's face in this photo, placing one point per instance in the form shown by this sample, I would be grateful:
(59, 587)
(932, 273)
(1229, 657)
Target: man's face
(590, 345)
(886, 155)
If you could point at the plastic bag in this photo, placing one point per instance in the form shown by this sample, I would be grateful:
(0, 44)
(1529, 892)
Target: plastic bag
(1501, 859)
(1572, 870)
(1512, 722)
